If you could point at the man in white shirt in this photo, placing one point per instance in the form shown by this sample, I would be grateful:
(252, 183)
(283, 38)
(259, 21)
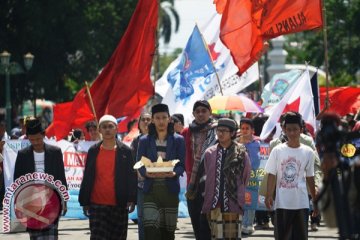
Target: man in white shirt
(291, 167)
(40, 157)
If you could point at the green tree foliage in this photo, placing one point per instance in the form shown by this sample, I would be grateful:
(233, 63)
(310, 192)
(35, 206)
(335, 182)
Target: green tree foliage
(343, 19)
(168, 17)
(70, 39)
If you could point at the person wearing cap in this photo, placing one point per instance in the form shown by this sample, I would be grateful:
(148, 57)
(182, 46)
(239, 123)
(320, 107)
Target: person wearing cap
(198, 137)
(161, 189)
(43, 158)
(227, 169)
(178, 120)
(291, 168)
(108, 189)
(93, 131)
(252, 145)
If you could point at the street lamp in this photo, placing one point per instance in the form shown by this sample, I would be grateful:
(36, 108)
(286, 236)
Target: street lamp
(28, 62)
(12, 68)
(5, 62)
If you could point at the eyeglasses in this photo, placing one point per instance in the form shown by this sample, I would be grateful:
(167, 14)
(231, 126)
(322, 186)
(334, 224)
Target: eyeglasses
(109, 126)
(146, 119)
(222, 131)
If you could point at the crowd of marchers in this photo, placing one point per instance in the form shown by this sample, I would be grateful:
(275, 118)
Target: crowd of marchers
(216, 153)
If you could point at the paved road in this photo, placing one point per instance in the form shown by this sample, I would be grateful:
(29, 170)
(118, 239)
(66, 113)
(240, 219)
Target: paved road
(78, 230)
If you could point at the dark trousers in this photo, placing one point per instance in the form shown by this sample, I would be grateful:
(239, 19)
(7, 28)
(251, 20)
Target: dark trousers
(291, 224)
(199, 221)
(262, 217)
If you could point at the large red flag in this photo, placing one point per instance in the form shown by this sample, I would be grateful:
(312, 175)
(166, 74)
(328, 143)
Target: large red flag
(342, 100)
(239, 31)
(247, 24)
(290, 16)
(124, 85)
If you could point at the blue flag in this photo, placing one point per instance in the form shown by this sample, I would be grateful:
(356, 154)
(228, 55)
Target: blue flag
(195, 65)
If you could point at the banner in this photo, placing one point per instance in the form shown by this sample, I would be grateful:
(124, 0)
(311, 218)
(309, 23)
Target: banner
(278, 86)
(298, 98)
(254, 201)
(74, 156)
(204, 86)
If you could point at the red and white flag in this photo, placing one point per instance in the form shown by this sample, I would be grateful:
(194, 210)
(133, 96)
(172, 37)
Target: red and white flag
(299, 98)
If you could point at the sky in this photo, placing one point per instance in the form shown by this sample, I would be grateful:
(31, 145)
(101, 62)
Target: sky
(190, 12)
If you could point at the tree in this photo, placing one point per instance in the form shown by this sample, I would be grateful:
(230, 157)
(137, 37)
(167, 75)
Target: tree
(166, 14)
(70, 39)
(343, 19)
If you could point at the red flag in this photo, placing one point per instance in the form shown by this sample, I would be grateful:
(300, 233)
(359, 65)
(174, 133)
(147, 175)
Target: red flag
(124, 85)
(247, 24)
(342, 100)
(290, 16)
(64, 119)
(239, 32)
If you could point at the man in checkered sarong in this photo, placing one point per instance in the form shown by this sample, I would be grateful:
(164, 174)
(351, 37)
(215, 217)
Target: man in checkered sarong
(227, 169)
(161, 189)
(108, 189)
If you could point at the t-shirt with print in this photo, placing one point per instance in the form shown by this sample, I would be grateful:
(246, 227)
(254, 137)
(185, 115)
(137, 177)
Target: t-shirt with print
(291, 166)
(39, 159)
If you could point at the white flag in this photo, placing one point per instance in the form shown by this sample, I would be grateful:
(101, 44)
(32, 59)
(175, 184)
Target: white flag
(298, 98)
(206, 87)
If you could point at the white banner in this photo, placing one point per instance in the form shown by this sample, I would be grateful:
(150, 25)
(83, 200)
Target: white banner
(74, 156)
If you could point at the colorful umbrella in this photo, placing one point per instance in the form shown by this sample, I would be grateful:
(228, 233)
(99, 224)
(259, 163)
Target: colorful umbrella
(239, 103)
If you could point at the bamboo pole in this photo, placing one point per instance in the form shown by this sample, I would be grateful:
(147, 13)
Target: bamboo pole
(212, 62)
(91, 102)
(326, 54)
(156, 59)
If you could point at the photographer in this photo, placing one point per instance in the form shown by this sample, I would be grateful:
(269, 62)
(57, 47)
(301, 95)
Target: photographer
(339, 200)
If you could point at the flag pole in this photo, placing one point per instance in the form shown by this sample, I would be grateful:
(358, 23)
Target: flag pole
(156, 61)
(91, 101)
(326, 54)
(212, 62)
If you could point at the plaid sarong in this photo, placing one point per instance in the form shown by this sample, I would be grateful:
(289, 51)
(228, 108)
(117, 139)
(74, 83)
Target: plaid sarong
(50, 233)
(224, 225)
(160, 212)
(108, 222)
